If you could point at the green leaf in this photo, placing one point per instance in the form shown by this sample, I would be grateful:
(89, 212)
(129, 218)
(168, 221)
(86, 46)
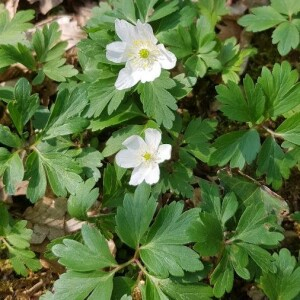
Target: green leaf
(208, 234)
(58, 166)
(58, 71)
(90, 161)
(261, 18)
(14, 170)
(122, 286)
(10, 54)
(286, 7)
(285, 283)
(144, 7)
(83, 286)
(24, 106)
(82, 199)
(135, 215)
(101, 94)
(17, 238)
(260, 256)
(197, 136)
(184, 85)
(158, 103)
(250, 192)
(91, 256)
(290, 129)
(163, 250)
(223, 275)
(280, 88)
(211, 201)
(286, 35)
(12, 31)
(213, 9)
(229, 207)
(255, 227)
(273, 162)
(178, 40)
(178, 180)
(164, 9)
(185, 291)
(122, 114)
(8, 138)
(238, 147)
(244, 107)
(64, 118)
(36, 173)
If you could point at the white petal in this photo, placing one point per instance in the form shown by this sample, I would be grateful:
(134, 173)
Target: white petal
(152, 177)
(166, 59)
(116, 52)
(127, 79)
(135, 143)
(163, 153)
(128, 159)
(125, 31)
(151, 73)
(145, 32)
(139, 173)
(152, 138)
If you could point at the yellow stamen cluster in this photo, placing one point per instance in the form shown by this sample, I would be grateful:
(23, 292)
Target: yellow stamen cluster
(144, 53)
(147, 156)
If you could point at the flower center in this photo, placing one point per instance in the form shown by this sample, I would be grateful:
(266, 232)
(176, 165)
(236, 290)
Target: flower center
(147, 156)
(144, 53)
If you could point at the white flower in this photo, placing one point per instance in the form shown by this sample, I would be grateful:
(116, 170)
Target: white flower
(138, 48)
(144, 156)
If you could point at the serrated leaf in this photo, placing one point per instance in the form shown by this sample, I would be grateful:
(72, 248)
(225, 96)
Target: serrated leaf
(157, 101)
(260, 256)
(8, 138)
(185, 291)
(280, 88)
(12, 31)
(37, 175)
(57, 166)
(163, 250)
(82, 199)
(208, 234)
(250, 192)
(255, 227)
(10, 54)
(285, 283)
(197, 136)
(135, 215)
(179, 41)
(14, 170)
(91, 256)
(273, 162)
(286, 35)
(244, 107)
(238, 147)
(286, 7)
(58, 71)
(164, 9)
(261, 18)
(229, 207)
(24, 105)
(65, 114)
(177, 181)
(83, 286)
(290, 129)
(222, 276)
(103, 94)
(90, 161)
(123, 114)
